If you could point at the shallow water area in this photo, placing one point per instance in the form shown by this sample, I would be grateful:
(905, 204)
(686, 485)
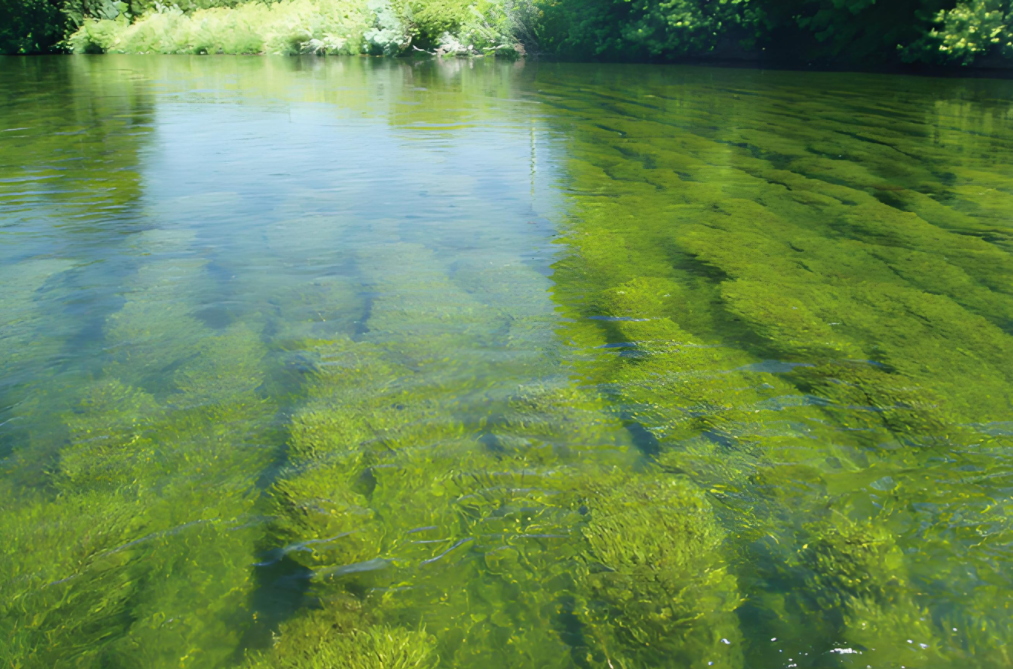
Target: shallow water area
(372, 363)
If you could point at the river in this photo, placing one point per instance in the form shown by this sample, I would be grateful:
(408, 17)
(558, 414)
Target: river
(321, 362)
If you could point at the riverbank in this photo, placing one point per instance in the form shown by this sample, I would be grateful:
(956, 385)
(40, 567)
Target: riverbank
(294, 27)
(854, 35)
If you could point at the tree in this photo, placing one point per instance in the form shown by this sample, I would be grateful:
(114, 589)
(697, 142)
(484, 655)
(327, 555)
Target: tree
(971, 30)
(30, 26)
(853, 32)
(649, 29)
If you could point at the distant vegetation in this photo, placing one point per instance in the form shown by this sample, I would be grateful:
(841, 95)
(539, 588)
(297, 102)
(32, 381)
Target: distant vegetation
(818, 32)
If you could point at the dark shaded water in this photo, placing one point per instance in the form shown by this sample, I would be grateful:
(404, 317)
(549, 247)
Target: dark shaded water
(359, 363)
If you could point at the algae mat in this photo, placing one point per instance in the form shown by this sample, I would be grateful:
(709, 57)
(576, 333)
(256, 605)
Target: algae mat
(317, 363)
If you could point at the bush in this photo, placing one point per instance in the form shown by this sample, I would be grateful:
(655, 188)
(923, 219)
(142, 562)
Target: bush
(296, 26)
(488, 28)
(378, 27)
(431, 20)
(390, 34)
(457, 27)
(138, 7)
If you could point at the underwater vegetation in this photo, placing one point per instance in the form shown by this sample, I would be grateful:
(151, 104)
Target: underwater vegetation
(386, 488)
(834, 256)
(701, 368)
(343, 636)
(151, 479)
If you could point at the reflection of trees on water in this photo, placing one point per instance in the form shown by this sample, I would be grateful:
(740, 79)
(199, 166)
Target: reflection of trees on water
(74, 133)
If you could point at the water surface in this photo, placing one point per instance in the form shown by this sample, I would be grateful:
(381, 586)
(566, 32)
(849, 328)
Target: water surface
(366, 363)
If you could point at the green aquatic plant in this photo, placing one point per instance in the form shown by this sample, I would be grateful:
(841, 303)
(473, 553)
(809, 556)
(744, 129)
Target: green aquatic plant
(759, 394)
(764, 305)
(209, 446)
(343, 635)
(112, 438)
(558, 418)
(74, 600)
(857, 572)
(418, 313)
(30, 338)
(357, 422)
(470, 526)
(151, 485)
(657, 593)
(800, 311)
(486, 572)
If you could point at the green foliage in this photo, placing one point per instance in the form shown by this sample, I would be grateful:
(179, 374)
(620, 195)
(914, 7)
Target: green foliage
(30, 26)
(390, 34)
(489, 27)
(971, 30)
(431, 20)
(378, 27)
(862, 32)
(79, 10)
(138, 7)
(822, 32)
(645, 29)
(292, 27)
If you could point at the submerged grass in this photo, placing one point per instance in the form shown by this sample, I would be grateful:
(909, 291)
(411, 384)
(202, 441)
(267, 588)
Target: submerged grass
(701, 253)
(151, 491)
(759, 418)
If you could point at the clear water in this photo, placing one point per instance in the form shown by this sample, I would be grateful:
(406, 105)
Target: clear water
(360, 363)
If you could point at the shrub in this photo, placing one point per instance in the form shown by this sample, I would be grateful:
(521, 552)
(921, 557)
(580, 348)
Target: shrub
(297, 26)
(390, 33)
(432, 20)
(378, 27)
(489, 27)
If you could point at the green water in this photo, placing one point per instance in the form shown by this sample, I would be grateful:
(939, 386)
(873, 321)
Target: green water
(370, 364)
